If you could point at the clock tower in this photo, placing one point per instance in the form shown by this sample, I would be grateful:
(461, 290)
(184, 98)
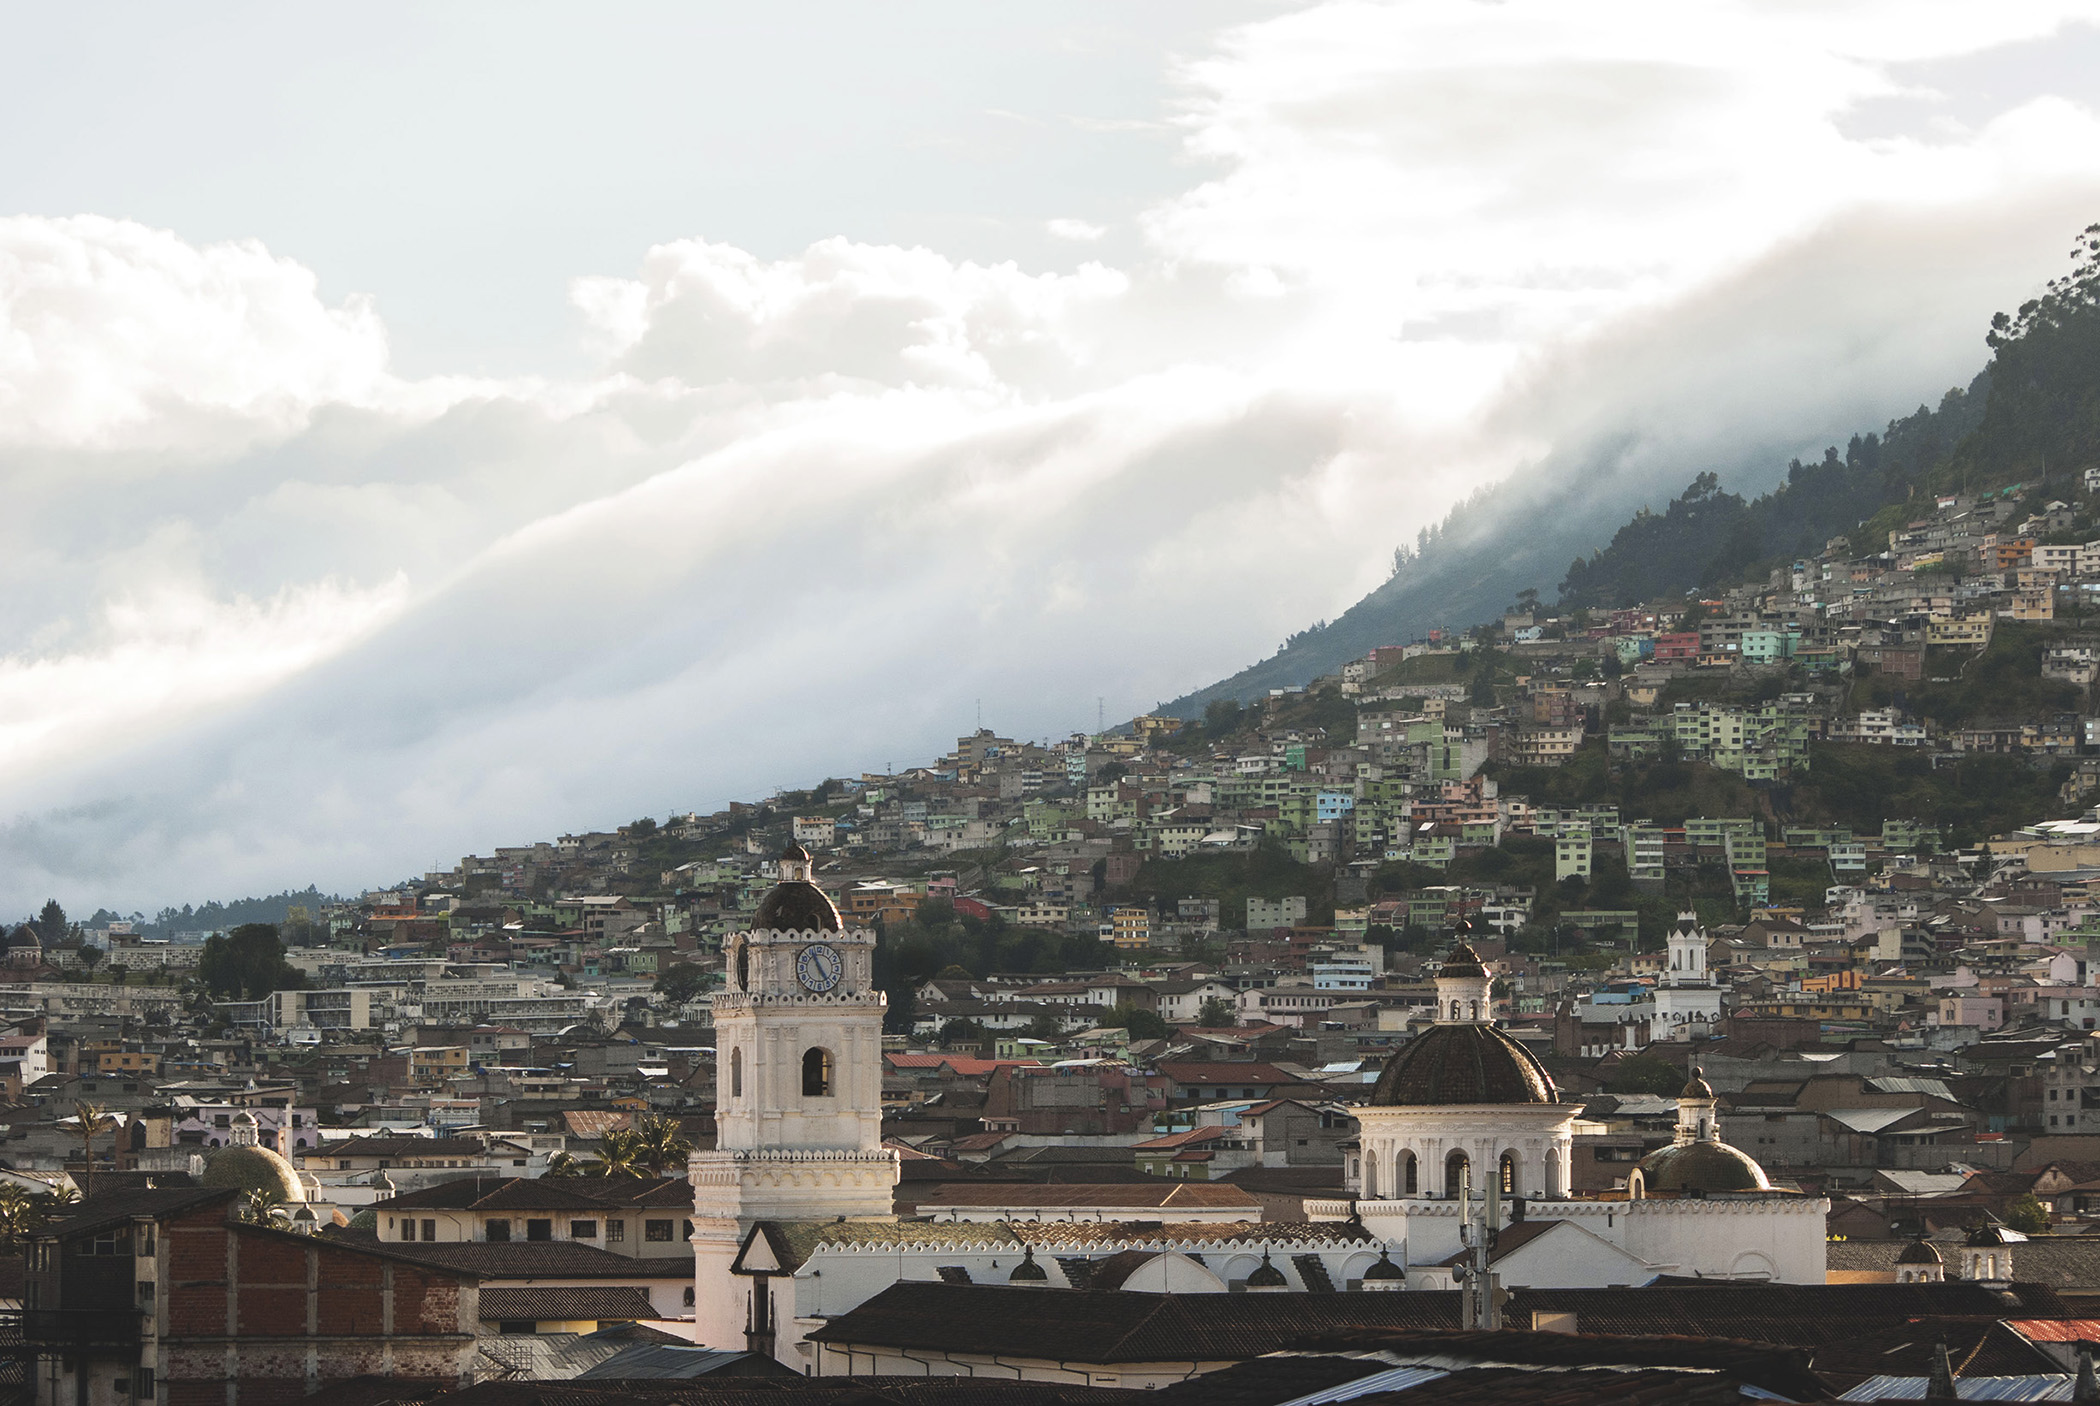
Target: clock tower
(798, 1094)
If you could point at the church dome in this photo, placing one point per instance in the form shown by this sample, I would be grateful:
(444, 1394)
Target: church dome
(1463, 961)
(1920, 1251)
(795, 904)
(1463, 1064)
(1385, 1271)
(1268, 1276)
(1028, 1271)
(253, 1168)
(1702, 1166)
(1698, 1087)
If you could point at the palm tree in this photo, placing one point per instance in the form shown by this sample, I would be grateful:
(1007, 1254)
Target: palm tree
(620, 1154)
(20, 1215)
(561, 1164)
(265, 1206)
(93, 1122)
(662, 1143)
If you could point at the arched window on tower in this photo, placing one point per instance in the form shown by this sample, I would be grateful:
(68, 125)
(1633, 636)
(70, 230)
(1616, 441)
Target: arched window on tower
(1509, 1174)
(1455, 1175)
(736, 1073)
(743, 966)
(1476, 1011)
(816, 1072)
(1405, 1175)
(1370, 1176)
(1455, 1008)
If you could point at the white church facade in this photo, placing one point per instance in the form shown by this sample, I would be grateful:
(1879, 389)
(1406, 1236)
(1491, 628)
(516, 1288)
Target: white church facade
(793, 1209)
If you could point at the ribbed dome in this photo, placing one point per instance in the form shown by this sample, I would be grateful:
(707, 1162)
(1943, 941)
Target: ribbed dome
(1268, 1276)
(795, 906)
(1462, 961)
(1385, 1270)
(1702, 1166)
(1463, 1064)
(253, 1168)
(1028, 1271)
(1920, 1252)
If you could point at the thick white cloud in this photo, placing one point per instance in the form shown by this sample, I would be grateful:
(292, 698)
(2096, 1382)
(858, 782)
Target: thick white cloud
(113, 336)
(270, 613)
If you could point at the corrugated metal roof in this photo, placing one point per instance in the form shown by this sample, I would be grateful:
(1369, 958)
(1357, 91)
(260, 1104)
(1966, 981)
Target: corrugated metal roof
(2049, 1388)
(1869, 1120)
(1396, 1379)
(660, 1360)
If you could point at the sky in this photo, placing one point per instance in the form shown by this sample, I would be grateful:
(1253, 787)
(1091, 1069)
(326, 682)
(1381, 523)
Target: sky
(425, 428)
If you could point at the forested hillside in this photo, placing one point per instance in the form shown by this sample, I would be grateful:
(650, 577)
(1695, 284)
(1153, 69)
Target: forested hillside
(2032, 416)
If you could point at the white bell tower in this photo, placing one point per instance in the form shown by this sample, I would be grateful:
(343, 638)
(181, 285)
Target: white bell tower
(798, 1097)
(1687, 1002)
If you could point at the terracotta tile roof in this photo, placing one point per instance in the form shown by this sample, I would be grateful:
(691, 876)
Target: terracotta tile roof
(1120, 1195)
(1106, 1326)
(529, 1259)
(793, 1242)
(573, 1304)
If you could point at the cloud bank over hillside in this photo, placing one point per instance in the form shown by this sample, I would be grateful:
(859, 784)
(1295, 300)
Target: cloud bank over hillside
(272, 612)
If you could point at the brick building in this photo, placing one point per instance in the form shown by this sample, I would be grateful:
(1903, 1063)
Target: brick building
(168, 1296)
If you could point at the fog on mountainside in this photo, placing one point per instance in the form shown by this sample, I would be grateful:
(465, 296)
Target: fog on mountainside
(2031, 416)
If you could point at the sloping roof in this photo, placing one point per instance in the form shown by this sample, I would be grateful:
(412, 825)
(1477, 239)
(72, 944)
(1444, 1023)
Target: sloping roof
(1093, 1326)
(793, 1242)
(1240, 1072)
(669, 1362)
(1076, 1194)
(794, 1390)
(495, 1194)
(529, 1259)
(108, 1207)
(570, 1304)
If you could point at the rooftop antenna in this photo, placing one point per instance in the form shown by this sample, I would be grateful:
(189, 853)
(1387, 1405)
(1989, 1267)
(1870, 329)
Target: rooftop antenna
(1100, 715)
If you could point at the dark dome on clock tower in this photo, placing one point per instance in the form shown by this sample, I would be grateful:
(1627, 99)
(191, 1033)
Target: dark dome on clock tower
(795, 904)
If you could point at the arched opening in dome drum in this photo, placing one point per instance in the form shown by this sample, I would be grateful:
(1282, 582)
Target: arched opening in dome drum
(1509, 1174)
(1405, 1177)
(743, 966)
(1371, 1186)
(816, 1072)
(1455, 1169)
(736, 1073)
(1552, 1186)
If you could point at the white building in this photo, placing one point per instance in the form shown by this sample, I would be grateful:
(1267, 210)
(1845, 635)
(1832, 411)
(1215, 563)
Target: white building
(1687, 1002)
(1465, 1104)
(793, 1217)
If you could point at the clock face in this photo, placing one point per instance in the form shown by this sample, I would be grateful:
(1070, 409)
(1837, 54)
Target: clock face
(819, 967)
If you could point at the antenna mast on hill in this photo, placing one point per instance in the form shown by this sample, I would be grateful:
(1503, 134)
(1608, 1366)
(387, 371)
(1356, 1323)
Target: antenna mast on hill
(1100, 715)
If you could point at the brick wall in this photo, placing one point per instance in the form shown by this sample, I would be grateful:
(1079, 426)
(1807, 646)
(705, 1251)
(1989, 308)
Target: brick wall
(279, 1316)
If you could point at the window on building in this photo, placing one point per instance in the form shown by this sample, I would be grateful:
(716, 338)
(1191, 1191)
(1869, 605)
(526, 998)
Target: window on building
(657, 1230)
(498, 1230)
(583, 1230)
(615, 1231)
(408, 1229)
(517, 1325)
(736, 1073)
(539, 1230)
(430, 1230)
(816, 1072)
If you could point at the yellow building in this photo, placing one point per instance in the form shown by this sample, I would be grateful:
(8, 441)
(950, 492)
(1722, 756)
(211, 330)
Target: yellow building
(1131, 927)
